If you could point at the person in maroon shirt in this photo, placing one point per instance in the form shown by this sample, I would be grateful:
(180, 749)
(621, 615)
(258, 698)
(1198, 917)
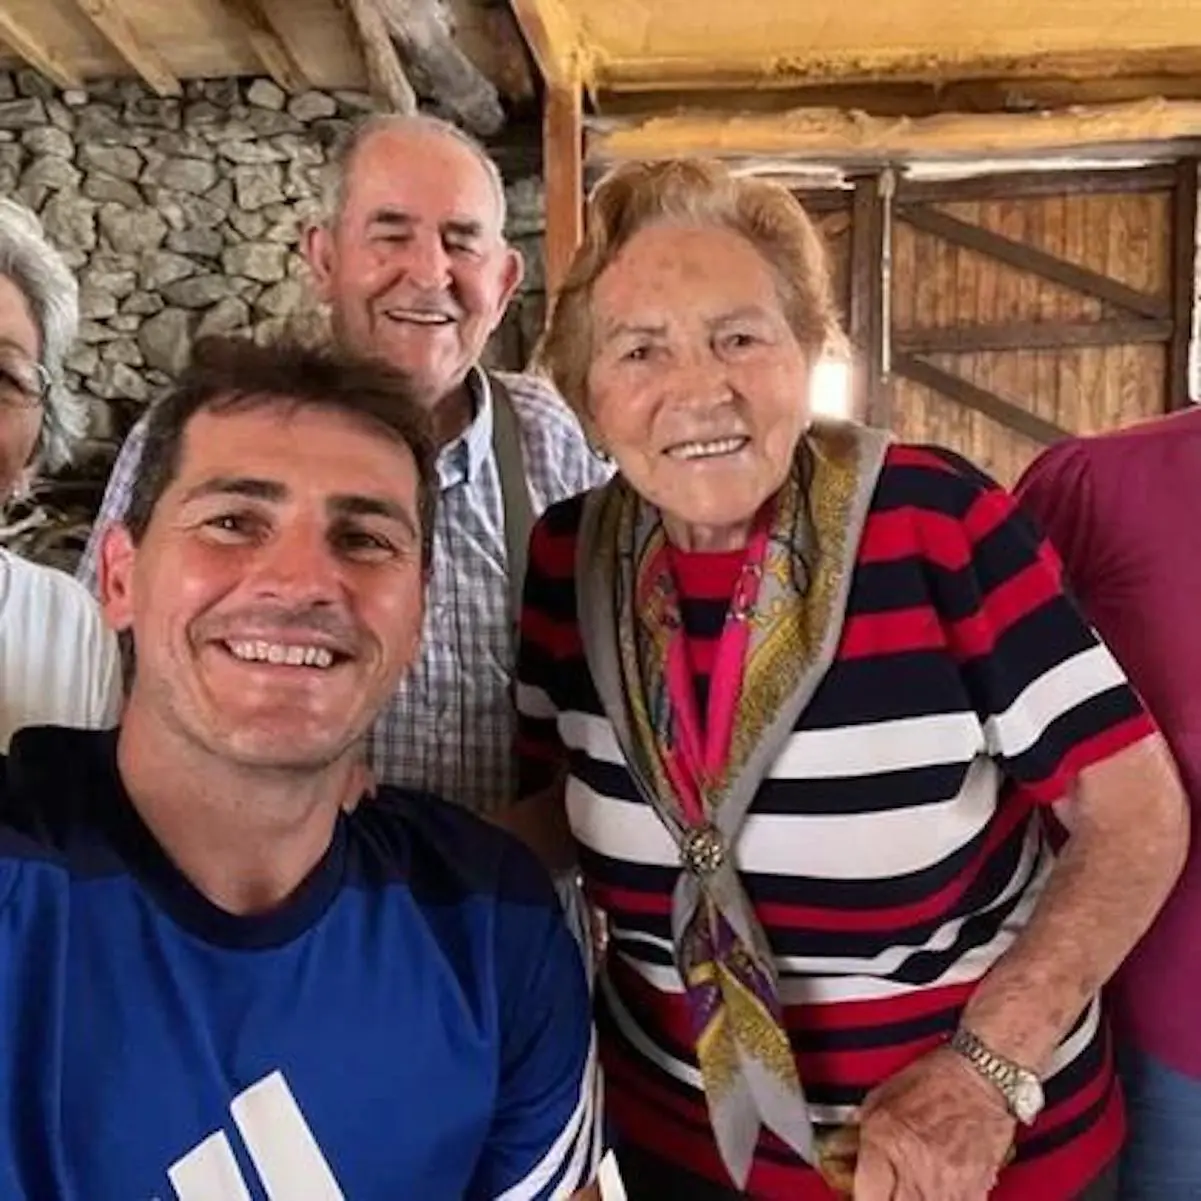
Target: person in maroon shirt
(1119, 509)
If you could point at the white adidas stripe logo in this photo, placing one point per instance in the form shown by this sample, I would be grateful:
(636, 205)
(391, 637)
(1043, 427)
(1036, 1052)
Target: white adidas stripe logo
(289, 1163)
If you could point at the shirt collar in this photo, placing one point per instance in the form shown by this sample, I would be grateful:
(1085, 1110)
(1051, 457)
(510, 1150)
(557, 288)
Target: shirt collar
(461, 460)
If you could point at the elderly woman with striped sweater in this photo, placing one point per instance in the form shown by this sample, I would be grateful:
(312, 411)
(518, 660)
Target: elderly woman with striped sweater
(803, 702)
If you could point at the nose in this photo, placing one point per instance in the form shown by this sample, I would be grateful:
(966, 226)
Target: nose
(426, 263)
(296, 567)
(700, 381)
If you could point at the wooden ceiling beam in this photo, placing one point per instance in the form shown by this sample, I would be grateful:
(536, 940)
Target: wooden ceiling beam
(649, 73)
(34, 50)
(386, 78)
(269, 45)
(912, 99)
(121, 35)
(555, 42)
(491, 38)
(856, 138)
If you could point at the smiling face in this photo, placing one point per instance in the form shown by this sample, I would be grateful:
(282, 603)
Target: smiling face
(416, 269)
(698, 387)
(20, 409)
(276, 595)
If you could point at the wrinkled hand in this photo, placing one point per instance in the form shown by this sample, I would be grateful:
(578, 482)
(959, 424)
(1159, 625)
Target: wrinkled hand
(936, 1131)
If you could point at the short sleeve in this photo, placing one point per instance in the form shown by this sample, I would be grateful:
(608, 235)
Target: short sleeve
(549, 639)
(546, 1139)
(1051, 698)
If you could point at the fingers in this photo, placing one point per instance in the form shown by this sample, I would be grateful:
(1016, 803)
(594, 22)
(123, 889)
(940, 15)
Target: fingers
(875, 1179)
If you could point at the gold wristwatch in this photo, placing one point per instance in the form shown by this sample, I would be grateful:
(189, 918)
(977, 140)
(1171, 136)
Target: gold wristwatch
(1021, 1088)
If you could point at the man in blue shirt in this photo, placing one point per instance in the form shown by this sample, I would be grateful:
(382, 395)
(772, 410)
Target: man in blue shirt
(222, 979)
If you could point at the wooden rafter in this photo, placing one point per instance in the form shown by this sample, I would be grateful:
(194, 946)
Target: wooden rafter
(34, 50)
(421, 30)
(1024, 257)
(904, 99)
(756, 70)
(121, 35)
(269, 45)
(856, 137)
(491, 38)
(386, 77)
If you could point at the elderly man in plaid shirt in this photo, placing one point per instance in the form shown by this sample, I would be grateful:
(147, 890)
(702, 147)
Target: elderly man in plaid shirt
(414, 266)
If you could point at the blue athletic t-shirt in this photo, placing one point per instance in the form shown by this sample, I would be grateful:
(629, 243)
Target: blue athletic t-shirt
(413, 1023)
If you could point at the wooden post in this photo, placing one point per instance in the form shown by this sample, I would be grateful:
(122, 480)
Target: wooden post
(563, 169)
(1184, 286)
(866, 318)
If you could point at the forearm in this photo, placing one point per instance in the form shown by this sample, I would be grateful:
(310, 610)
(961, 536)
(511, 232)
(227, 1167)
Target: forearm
(1128, 837)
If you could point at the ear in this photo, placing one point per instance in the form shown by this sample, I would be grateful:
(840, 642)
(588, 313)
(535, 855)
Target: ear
(512, 272)
(115, 577)
(22, 486)
(317, 246)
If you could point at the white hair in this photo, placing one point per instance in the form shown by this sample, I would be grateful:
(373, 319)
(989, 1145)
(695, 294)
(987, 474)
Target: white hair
(50, 290)
(342, 159)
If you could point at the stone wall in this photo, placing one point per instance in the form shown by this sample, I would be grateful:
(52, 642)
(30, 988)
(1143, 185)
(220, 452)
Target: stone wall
(182, 217)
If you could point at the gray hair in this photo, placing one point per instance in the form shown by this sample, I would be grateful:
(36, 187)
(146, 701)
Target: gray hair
(342, 158)
(50, 290)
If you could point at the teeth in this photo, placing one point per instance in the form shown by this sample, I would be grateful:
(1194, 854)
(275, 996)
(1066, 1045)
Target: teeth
(706, 450)
(421, 318)
(277, 652)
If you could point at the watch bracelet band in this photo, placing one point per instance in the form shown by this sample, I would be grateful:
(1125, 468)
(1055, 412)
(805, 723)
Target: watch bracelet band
(1003, 1075)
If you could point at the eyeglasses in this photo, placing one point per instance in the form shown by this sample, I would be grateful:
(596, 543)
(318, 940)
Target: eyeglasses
(24, 384)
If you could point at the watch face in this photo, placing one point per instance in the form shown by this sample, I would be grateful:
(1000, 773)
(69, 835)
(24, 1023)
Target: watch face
(1027, 1098)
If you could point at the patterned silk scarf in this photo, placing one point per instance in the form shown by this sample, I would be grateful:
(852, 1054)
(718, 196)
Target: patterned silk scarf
(780, 635)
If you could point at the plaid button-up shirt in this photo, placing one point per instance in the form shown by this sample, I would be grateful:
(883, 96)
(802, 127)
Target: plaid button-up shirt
(449, 727)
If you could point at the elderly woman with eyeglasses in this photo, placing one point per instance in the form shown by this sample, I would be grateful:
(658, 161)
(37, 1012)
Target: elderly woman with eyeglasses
(815, 696)
(58, 663)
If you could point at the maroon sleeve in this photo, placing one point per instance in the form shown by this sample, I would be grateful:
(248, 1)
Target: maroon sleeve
(1057, 493)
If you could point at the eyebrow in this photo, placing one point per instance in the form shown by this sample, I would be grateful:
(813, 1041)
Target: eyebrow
(738, 314)
(391, 216)
(236, 485)
(352, 505)
(623, 329)
(272, 491)
(463, 227)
